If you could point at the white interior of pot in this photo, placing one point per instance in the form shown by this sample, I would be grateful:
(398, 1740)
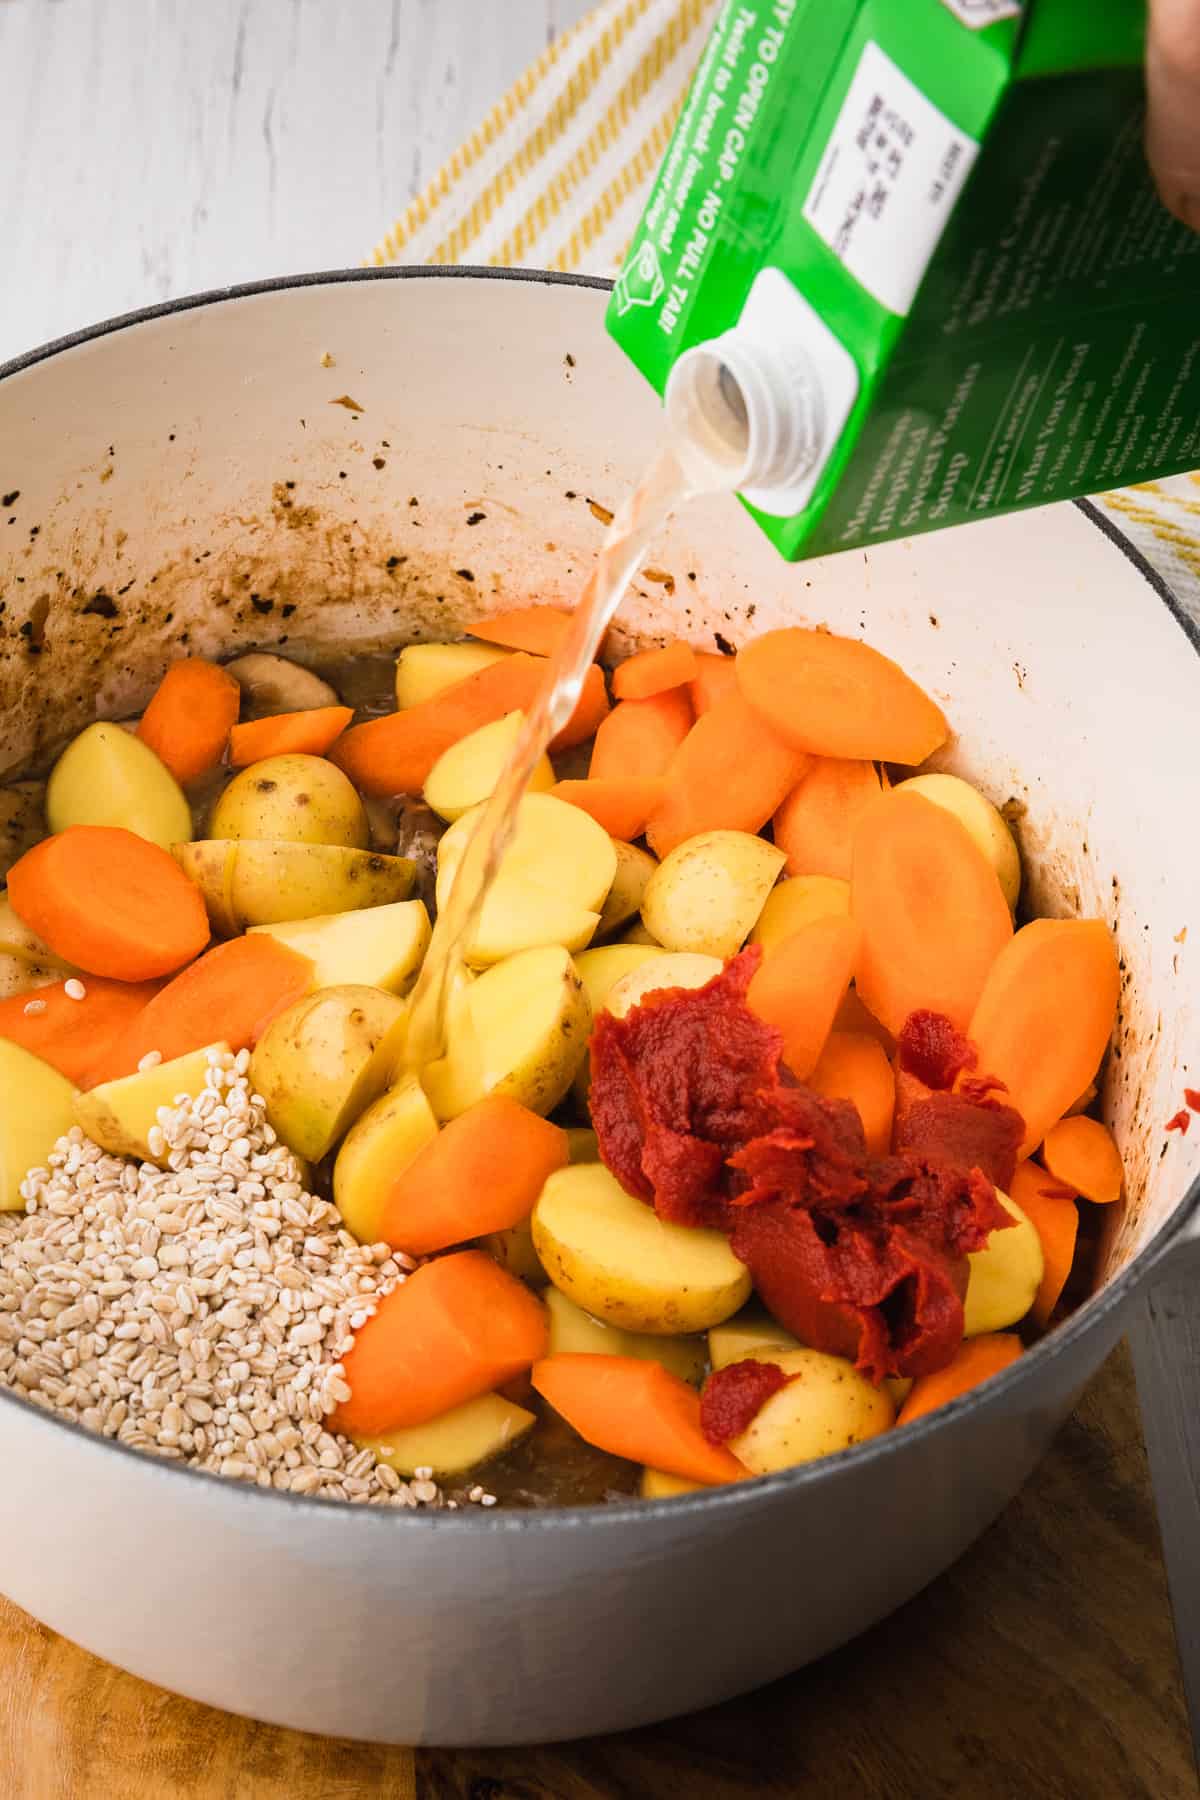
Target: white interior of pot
(363, 463)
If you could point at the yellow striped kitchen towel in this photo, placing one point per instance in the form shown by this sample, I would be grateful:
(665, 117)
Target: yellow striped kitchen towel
(557, 175)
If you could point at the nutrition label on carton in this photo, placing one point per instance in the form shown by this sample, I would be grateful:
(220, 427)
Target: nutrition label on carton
(887, 181)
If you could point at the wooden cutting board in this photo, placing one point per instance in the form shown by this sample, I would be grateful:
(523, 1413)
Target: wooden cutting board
(1042, 1667)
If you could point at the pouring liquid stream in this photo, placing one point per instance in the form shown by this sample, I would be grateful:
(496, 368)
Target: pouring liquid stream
(674, 475)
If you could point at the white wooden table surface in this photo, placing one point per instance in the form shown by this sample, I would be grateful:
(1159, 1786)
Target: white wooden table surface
(150, 148)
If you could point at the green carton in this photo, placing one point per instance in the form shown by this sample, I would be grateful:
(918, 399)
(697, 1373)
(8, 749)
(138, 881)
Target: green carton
(932, 222)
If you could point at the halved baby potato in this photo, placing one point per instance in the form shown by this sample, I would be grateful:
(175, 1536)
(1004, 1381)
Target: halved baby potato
(737, 1339)
(634, 869)
(707, 894)
(36, 1109)
(552, 881)
(320, 1064)
(981, 820)
(520, 1029)
(825, 1407)
(1004, 1276)
(379, 1145)
(638, 934)
(26, 962)
(426, 670)
(459, 1440)
(293, 799)
(617, 1260)
(656, 1484)
(572, 1329)
(797, 902)
(256, 882)
(666, 969)
(466, 774)
(107, 776)
(119, 1115)
(381, 947)
(513, 1250)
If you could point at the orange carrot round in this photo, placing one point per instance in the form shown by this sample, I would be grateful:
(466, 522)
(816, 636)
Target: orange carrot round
(190, 716)
(71, 1035)
(715, 679)
(933, 916)
(1052, 1210)
(653, 672)
(622, 804)
(109, 902)
(974, 1361)
(854, 1066)
(639, 737)
(800, 986)
(1045, 1016)
(481, 1173)
(309, 733)
(635, 1409)
(394, 755)
(537, 629)
(458, 1327)
(1082, 1154)
(834, 696)
(816, 825)
(730, 773)
(230, 994)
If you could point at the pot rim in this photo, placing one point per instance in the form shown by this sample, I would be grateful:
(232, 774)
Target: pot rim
(739, 1495)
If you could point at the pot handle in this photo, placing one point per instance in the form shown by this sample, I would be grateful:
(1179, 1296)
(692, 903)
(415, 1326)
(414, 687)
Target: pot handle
(1165, 1339)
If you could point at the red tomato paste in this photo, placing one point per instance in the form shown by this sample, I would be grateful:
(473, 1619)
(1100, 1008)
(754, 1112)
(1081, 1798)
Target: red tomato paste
(735, 1395)
(933, 1049)
(860, 1256)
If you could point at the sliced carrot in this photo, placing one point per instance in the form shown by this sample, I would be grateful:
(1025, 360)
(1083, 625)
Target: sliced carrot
(458, 1327)
(622, 804)
(730, 773)
(1081, 1153)
(69, 1034)
(852, 1015)
(1045, 1016)
(394, 755)
(190, 716)
(974, 1361)
(933, 916)
(816, 824)
(639, 737)
(482, 1172)
(537, 629)
(715, 679)
(800, 986)
(109, 902)
(835, 696)
(309, 733)
(653, 672)
(854, 1066)
(230, 994)
(1054, 1214)
(636, 1409)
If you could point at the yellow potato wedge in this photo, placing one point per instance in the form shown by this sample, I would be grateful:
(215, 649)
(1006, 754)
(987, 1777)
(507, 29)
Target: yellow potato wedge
(259, 882)
(825, 1407)
(513, 1250)
(292, 799)
(981, 820)
(320, 1064)
(382, 946)
(615, 1259)
(521, 1029)
(634, 869)
(600, 970)
(466, 774)
(572, 1329)
(737, 1339)
(1004, 1276)
(796, 903)
(426, 670)
(458, 1441)
(637, 934)
(109, 777)
(36, 1109)
(657, 1485)
(668, 969)
(379, 1145)
(706, 896)
(118, 1115)
(552, 881)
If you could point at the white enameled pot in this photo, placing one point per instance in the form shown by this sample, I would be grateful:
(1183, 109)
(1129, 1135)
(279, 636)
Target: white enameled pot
(358, 459)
